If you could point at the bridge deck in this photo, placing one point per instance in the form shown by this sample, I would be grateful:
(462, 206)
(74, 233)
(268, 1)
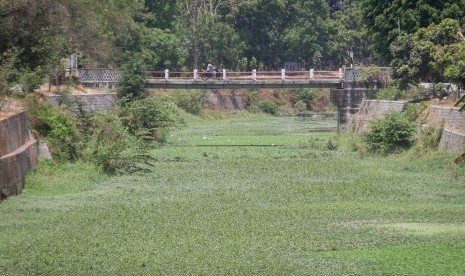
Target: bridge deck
(244, 84)
(223, 80)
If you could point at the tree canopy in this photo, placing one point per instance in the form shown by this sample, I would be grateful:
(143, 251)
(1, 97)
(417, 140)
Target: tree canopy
(384, 19)
(415, 37)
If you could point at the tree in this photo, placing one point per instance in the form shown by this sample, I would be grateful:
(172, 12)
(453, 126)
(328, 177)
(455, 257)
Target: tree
(424, 55)
(352, 34)
(276, 31)
(49, 30)
(311, 37)
(132, 84)
(202, 16)
(382, 18)
(455, 71)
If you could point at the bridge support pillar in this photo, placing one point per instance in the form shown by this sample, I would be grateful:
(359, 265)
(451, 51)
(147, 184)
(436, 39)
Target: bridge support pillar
(348, 101)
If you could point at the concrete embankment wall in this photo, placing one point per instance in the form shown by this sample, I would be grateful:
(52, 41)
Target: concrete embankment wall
(234, 100)
(102, 102)
(373, 109)
(18, 153)
(450, 119)
(90, 102)
(453, 135)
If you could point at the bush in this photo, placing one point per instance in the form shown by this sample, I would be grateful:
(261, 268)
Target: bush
(391, 134)
(114, 150)
(56, 126)
(390, 94)
(416, 93)
(283, 110)
(31, 80)
(132, 83)
(300, 106)
(268, 106)
(370, 74)
(430, 137)
(190, 101)
(151, 118)
(307, 95)
(252, 97)
(416, 112)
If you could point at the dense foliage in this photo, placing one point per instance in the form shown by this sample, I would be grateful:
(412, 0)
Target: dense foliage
(390, 134)
(385, 19)
(417, 37)
(115, 141)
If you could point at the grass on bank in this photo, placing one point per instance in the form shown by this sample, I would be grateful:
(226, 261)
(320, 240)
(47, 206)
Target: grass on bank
(242, 195)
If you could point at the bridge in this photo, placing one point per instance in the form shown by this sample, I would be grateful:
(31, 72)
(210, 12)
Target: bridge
(221, 80)
(346, 91)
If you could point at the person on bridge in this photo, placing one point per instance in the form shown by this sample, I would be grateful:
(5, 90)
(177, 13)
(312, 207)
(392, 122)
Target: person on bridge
(209, 66)
(210, 69)
(460, 36)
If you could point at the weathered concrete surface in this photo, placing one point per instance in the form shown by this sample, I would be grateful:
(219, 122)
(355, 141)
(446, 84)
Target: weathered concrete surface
(450, 119)
(225, 100)
(90, 102)
(18, 154)
(14, 132)
(453, 136)
(373, 109)
(347, 102)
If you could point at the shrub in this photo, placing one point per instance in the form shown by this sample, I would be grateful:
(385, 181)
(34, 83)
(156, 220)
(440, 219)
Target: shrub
(430, 137)
(416, 93)
(391, 134)
(151, 118)
(307, 95)
(300, 106)
(252, 97)
(268, 106)
(416, 112)
(56, 126)
(390, 94)
(190, 101)
(283, 110)
(31, 80)
(132, 83)
(114, 150)
(370, 74)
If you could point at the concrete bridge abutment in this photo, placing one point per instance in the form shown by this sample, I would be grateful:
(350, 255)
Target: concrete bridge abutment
(348, 100)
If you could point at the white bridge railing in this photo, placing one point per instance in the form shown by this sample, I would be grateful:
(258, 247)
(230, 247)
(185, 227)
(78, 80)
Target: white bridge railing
(113, 76)
(254, 75)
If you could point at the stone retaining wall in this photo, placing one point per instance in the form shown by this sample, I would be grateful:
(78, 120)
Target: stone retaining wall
(90, 102)
(453, 136)
(18, 154)
(373, 109)
(453, 121)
